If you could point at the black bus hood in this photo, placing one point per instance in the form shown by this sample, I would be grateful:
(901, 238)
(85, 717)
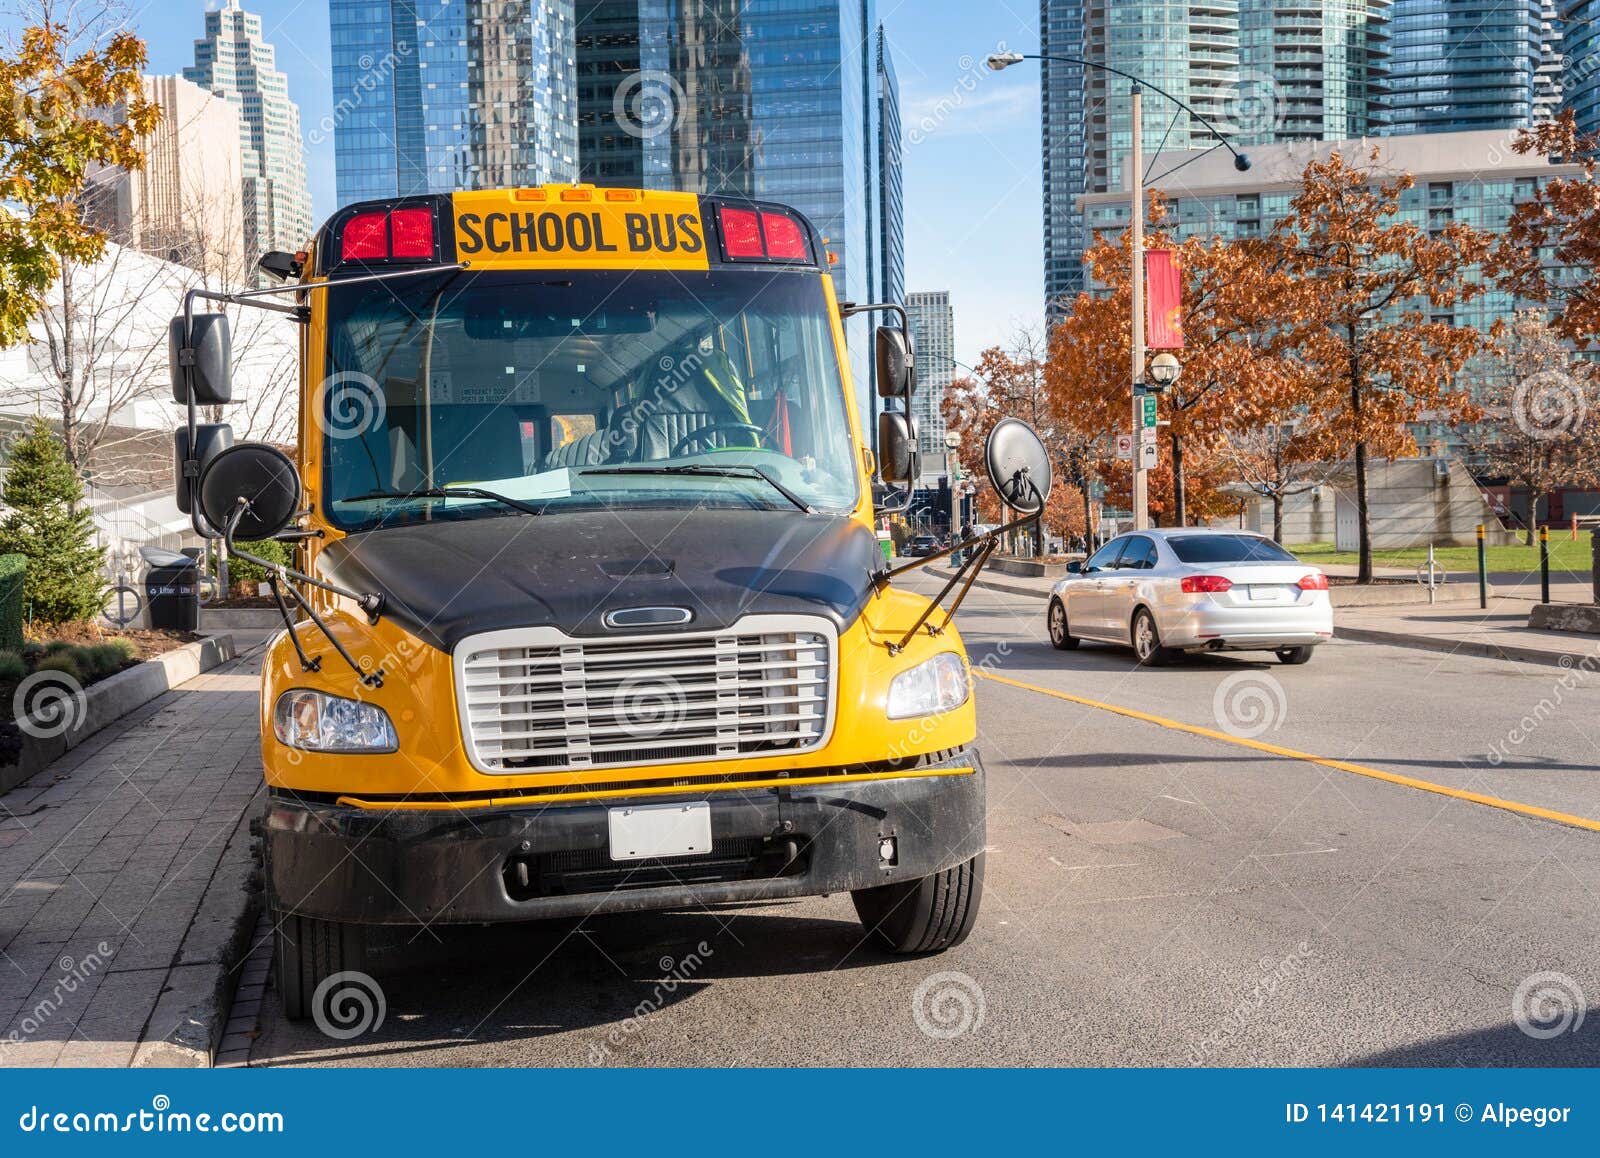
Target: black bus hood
(447, 580)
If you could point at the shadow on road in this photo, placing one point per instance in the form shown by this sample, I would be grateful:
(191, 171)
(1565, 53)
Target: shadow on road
(1503, 1045)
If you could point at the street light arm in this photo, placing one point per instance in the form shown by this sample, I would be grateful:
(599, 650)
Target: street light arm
(1240, 159)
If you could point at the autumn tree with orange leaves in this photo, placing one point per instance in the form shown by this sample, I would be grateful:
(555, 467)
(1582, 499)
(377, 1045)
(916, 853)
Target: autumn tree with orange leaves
(1559, 228)
(1372, 288)
(1010, 382)
(1237, 304)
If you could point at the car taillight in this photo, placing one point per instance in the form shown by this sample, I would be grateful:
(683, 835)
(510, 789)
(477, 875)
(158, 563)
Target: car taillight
(1317, 582)
(366, 236)
(377, 234)
(1209, 584)
(752, 235)
(411, 232)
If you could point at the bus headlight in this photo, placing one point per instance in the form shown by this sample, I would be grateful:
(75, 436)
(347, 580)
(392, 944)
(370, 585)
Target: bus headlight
(318, 722)
(933, 686)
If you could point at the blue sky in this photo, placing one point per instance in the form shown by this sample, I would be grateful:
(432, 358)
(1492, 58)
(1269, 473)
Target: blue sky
(972, 140)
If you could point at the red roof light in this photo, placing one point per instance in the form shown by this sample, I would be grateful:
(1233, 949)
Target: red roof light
(413, 233)
(741, 233)
(366, 236)
(785, 238)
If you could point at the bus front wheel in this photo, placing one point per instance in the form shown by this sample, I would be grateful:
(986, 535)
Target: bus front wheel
(308, 952)
(923, 916)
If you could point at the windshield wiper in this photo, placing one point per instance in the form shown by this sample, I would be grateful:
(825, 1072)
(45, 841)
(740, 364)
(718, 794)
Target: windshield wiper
(698, 468)
(448, 493)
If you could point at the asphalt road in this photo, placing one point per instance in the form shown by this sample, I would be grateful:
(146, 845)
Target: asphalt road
(1155, 896)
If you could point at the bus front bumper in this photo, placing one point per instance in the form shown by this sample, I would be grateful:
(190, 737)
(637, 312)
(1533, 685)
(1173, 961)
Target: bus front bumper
(472, 865)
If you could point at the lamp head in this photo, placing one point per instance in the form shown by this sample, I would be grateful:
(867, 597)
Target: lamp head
(1000, 61)
(1164, 369)
(1241, 162)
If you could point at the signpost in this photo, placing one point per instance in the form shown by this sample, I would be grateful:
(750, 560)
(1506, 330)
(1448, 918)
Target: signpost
(1125, 447)
(1148, 411)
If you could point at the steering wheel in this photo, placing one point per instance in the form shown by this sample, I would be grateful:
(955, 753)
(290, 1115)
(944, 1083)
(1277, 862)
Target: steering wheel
(697, 436)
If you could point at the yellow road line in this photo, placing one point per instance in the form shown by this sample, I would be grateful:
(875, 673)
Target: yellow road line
(1309, 758)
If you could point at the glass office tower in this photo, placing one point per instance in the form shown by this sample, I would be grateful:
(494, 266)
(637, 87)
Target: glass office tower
(437, 95)
(1310, 72)
(891, 181)
(1061, 98)
(775, 99)
(1580, 43)
(1468, 64)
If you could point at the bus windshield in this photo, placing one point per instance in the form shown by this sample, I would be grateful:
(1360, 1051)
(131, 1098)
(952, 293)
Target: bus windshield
(579, 390)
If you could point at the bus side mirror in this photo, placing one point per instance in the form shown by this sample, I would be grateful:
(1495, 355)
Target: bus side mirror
(897, 448)
(205, 361)
(1019, 466)
(252, 486)
(897, 363)
(210, 440)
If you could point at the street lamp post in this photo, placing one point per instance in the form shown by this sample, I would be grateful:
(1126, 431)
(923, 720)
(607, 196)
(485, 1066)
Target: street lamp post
(952, 442)
(1003, 60)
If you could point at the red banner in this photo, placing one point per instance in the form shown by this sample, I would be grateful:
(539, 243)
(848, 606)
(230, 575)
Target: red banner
(1163, 300)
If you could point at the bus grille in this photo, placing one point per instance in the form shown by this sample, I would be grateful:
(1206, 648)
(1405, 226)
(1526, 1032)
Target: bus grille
(536, 699)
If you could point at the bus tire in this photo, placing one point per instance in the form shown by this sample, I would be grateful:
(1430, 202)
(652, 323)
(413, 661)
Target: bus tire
(923, 916)
(308, 952)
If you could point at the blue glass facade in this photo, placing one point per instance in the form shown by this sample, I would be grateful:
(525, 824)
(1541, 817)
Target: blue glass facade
(1581, 46)
(775, 99)
(1466, 64)
(891, 180)
(435, 95)
(1061, 98)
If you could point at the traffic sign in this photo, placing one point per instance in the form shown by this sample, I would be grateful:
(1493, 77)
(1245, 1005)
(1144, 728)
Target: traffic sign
(1148, 457)
(1125, 447)
(1147, 436)
(1148, 405)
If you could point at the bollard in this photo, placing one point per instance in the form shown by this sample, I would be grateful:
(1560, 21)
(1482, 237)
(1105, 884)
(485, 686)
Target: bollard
(1544, 564)
(1483, 569)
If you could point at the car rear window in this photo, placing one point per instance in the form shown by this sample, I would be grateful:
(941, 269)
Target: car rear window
(1227, 549)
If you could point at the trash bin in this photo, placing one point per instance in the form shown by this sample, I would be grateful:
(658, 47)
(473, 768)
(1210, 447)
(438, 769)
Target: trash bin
(172, 592)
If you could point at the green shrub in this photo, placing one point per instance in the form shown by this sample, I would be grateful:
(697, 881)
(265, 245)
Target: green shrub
(12, 667)
(126, 648)
(102, 659)
(57, 646)
(13, 581)
(47, 523)
(61, 662)
(244, 571)
(32, 649)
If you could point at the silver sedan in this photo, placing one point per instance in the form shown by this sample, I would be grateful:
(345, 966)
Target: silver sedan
(1189, 589)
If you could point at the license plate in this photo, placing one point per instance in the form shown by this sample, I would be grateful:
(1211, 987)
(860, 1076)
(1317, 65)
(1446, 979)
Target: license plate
(658, 830)
(1261, 591)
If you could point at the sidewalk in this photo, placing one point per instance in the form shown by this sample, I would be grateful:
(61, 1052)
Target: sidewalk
(125, 882)
(1461, 628)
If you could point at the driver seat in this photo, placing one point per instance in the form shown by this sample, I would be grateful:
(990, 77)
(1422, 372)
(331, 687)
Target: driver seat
(675, 411)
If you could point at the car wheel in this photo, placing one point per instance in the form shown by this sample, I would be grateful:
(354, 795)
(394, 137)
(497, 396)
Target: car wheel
(1147, 640)
(1294, 655)
(1063, 639)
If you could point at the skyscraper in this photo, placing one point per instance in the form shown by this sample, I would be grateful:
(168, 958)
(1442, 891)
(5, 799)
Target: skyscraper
(1061, 98)
(234, 62)
(1580, 31)
(891, 180)
(775, 99)
(186, 203)
(933, 323)
(435, 95)
(1309, 72)
(1469, 64)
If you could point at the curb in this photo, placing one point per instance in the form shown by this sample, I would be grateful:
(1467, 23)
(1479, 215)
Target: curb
(1393, 638)
(109, 700)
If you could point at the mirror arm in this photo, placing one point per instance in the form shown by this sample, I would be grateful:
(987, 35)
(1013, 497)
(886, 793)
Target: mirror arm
(984, 545)
(307, 663)
(279, 577)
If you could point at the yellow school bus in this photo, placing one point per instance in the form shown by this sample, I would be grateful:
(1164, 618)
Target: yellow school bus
(588, 613)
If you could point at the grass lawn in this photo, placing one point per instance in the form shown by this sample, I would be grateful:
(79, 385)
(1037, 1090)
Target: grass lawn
(1565, 555)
